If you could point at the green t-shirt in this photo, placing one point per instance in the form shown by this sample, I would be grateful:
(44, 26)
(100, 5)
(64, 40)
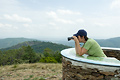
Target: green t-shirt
(93, 48)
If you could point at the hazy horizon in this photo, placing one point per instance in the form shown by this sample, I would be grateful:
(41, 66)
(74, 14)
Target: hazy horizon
(54, 39)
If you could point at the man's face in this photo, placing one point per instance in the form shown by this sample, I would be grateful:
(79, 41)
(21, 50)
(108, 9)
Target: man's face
(80, 38)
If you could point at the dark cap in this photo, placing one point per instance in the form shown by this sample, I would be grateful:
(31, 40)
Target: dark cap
(81, 32)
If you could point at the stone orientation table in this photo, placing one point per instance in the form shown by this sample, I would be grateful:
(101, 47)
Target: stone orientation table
(86, 67)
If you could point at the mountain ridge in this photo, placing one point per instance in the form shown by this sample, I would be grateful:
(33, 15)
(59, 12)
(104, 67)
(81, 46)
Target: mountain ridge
(39, 46)
(8, 42)
(111, 42)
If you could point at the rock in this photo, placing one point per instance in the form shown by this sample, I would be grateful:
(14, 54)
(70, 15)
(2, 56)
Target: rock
(107, 73)
(100, 77)
(95, 74)
(79, 76)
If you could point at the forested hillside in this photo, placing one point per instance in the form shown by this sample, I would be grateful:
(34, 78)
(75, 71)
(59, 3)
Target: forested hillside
(32, 52)
(39, 51)
(26, 54)
(39, 46)
(8, 42)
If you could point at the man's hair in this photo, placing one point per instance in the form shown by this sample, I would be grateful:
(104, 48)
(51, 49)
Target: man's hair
(85, 37)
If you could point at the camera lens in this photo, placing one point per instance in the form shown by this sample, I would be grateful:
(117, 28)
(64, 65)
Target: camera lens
(69, 38)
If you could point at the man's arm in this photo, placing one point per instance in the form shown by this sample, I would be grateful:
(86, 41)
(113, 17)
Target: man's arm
(79, 50)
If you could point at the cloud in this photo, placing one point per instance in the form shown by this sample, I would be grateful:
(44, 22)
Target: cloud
(56, 16)
(26, 25)
(80, 20)
(115, 4)
(52, 14)
(1, 25)
(8, 3)
(53, 24)
(17, 18)
(67, 12)
(8, 6)
(5, 25)
(0, 18)
(65, 21)
(99, 24)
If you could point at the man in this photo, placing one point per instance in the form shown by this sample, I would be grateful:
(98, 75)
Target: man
(91, 47)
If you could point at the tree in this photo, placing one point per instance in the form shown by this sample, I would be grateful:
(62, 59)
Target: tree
(29, 54)
(48, 52)
(58, 56)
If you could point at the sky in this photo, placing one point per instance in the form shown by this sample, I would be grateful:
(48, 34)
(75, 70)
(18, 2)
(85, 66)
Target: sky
(59, 19)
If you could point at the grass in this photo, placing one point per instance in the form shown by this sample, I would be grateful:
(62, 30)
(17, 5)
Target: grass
(36, 71)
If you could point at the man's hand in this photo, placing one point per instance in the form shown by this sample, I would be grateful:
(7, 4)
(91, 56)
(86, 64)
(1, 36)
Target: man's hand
(75, 39)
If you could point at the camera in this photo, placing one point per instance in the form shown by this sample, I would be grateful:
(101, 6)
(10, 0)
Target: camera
(69, 38)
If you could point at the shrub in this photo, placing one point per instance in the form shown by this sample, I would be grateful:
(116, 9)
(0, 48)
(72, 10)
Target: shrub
(48, 60)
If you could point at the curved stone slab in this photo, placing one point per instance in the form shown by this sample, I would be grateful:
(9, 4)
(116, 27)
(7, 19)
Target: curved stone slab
(109, 61)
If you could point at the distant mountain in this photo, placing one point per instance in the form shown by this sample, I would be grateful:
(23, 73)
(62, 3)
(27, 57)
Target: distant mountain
(112, 42)
(39, 46)
(8, 42)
